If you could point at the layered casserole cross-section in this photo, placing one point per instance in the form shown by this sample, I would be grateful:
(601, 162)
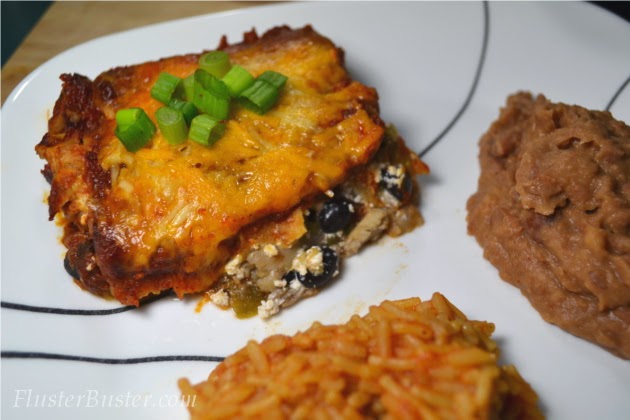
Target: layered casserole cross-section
(260, 219)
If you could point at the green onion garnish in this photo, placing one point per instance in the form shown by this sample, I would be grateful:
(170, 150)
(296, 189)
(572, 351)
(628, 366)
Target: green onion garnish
(237, 80)
(205, 130)
(211, 95)
(189, 87)
(128, 116)
(206, 93)
(217, 63)
(188, 109)
(134, 129)
(166, 87)
(172, 124)
(259, 97)
(273, 78)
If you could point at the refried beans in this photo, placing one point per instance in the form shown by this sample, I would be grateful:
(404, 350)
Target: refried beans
(552, 212)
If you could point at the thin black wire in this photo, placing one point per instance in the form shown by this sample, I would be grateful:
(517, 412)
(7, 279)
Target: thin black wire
(108, 361)
(61, 311)
(83, 312)
(616, 95)
(473, 88)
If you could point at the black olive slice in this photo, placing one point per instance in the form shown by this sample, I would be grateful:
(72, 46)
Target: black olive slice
(396, 181)
(335, 215)
(69, 268)
(330, 259)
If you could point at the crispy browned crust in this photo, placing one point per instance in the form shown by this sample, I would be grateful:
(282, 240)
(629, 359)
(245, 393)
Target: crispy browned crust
(82, 116)
(71, 148)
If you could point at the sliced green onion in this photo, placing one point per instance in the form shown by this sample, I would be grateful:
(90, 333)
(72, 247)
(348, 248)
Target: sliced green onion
(259, 97)
(211, 95)
(128, 116)
(189, 87)
(217, 63)
(172, 125)
(237, 80)
(205, 130)
(273, 78)
(187, 108)
(134, 129)
(166, 87)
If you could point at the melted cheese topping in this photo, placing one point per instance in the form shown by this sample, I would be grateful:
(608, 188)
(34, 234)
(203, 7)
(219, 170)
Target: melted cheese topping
(189, 199)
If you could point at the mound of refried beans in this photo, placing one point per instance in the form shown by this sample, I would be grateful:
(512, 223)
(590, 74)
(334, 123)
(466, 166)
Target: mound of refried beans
(552, 212)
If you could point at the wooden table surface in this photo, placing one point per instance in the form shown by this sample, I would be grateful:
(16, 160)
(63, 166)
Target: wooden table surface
(67, 24)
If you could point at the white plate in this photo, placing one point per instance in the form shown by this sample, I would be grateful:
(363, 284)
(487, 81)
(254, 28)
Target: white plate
(423, 57)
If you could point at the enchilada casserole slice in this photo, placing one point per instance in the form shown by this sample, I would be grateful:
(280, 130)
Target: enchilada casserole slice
(260, 219)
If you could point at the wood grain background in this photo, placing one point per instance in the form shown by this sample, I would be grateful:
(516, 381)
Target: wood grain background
(69, 23)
